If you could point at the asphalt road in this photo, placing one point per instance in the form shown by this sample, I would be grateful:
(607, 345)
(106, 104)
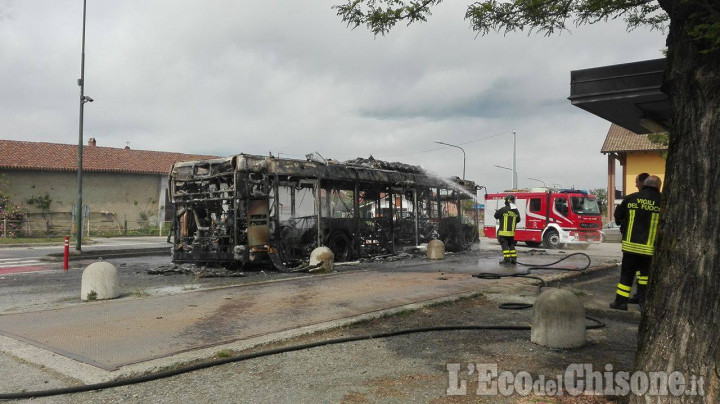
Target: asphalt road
(32, 258)
(118, 243)
(50, 287)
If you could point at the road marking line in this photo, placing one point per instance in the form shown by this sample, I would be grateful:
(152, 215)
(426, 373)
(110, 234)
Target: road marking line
(21, 263)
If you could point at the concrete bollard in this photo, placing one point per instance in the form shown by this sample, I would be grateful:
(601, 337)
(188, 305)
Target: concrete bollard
(325, 255)
(99, 282)
(436, 250)
(558, 320)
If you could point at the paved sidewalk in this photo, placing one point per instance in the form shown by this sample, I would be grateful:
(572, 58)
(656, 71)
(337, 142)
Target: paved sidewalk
(116, 333)
(105, 340)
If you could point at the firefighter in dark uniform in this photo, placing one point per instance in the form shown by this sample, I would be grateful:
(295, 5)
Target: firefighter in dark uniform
(638, 216)
(508, 216)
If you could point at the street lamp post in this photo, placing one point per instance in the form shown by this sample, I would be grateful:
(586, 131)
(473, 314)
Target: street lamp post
(514, 173)
(514, 169)
(463, 151)
(83, 100)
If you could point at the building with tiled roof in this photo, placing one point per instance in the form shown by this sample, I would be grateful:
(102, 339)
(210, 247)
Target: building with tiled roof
(620, 140)
(636, 154)
(19, 155)
(123, 188)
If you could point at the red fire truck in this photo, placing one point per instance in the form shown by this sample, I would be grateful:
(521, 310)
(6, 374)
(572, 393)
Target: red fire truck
(549, 217)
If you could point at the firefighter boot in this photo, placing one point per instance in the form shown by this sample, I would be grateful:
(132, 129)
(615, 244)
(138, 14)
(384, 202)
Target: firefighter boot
(513, 261)
(621, 297)
(618, 305)
(505, 261)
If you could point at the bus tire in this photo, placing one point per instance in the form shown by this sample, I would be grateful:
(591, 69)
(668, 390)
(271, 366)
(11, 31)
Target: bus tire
(339, 244)
(551, 239)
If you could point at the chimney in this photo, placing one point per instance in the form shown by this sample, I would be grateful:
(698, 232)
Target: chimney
(91, 142)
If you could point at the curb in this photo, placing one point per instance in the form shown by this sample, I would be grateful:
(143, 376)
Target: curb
(109, 254)
(616, 315)
(572, 274)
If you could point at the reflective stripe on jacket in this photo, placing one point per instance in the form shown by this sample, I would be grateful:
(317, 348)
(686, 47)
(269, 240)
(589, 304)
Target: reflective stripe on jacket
(638, 216)
(508, 220)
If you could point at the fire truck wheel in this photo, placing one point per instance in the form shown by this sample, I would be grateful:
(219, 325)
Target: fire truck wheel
(551, 239)
(339, 244)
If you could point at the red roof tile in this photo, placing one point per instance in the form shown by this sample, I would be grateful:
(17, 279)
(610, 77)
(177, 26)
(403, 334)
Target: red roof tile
(620, 139)
(63, 157)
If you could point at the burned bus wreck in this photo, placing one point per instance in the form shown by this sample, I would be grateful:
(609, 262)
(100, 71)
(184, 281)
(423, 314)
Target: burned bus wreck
(257, 209)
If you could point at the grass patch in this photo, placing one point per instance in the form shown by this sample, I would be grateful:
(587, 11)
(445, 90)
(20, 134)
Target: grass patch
(579, 293)
(225, 353)
(140, 293)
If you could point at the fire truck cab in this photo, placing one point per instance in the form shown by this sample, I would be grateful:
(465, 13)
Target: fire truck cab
(552, 218)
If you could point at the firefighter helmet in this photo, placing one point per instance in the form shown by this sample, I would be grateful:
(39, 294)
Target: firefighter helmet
(510, 199)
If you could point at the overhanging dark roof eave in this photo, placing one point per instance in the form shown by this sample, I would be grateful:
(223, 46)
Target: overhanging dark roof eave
(623, 94)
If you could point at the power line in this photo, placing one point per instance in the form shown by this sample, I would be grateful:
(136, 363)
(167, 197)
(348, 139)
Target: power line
(441, 148)
(487, 137)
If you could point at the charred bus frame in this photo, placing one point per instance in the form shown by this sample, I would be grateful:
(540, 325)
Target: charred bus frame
(248, 208)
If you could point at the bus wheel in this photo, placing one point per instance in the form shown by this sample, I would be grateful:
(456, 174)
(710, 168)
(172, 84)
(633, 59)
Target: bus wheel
(551, 239)
(339, 244)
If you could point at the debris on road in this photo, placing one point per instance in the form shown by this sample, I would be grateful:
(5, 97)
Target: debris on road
(197, 271)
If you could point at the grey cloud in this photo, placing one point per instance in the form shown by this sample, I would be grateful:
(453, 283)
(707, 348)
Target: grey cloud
(221, 77)
(501, 100)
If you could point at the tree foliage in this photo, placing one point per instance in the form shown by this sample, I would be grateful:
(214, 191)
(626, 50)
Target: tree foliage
(660, 139)
(705, 27)
(601, 195)
(543, 16)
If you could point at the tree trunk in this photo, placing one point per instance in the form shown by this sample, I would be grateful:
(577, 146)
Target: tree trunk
(680, 330)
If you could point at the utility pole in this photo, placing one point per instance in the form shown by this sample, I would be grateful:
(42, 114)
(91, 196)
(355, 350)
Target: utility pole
(83, 100)
(514, 167)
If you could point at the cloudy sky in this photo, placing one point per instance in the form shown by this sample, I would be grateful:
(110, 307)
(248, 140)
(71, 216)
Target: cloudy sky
(258, 76)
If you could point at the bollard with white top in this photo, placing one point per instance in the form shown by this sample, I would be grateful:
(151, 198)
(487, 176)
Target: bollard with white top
(558, 320)
(99, 282)
(324, 255)
(436, 250)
